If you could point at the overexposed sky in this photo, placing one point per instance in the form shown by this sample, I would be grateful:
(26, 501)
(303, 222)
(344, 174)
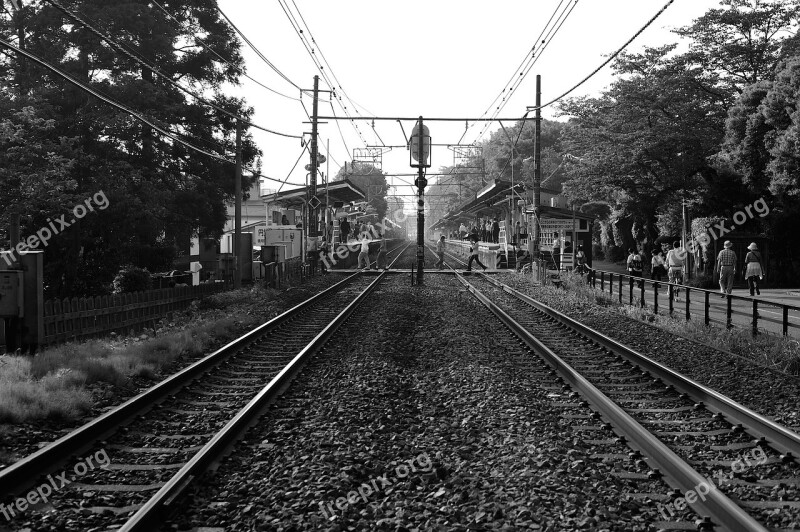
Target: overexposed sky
(435, 58)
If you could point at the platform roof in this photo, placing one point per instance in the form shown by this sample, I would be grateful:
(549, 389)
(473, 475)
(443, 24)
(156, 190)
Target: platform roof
(337, 191)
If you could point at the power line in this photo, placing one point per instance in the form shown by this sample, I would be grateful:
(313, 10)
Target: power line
(123, 108)
(211, 50)
(256, 50)
(611, 57)
(155, 70)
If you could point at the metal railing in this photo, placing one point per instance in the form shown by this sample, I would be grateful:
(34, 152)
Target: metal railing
(658, 295)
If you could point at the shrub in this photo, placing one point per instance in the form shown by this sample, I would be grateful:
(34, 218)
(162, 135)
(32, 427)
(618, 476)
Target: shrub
(702, 280)
(597, 252)
(615, 254)
(132, 279)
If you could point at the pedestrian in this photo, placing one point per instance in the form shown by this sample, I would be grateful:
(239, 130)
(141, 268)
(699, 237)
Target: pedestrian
(473, 233)
(496, 231)
(284, 220)
(635, 266)
(473, 255)
(344, 228)
(363, 230)
(657, 265)
(754, 269)
(726, 267)
(440, 252)
(580, 261)
(556, 251)
(323, 254)
(363, 256)
(674, 262)
(312, 253)
(380, 262)
(462, 231)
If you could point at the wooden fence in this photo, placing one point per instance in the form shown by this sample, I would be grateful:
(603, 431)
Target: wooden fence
(80, 318)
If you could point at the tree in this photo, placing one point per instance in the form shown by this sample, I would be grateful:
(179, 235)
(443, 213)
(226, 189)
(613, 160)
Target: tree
(743, 41)
(643, 145)
(372, 181)
(160, 192)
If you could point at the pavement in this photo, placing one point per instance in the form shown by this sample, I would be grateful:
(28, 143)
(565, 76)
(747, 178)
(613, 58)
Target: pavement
(742, 311)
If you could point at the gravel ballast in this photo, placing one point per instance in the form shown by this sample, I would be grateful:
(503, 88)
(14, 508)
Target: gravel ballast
(424, 403)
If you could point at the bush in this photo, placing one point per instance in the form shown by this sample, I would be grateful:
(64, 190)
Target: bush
(132, 279)
(597, 252)
(615, 254)
(702, 280)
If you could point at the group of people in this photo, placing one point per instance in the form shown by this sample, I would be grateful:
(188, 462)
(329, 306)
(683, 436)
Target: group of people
(485, 230)
(672, 266)
(355, 231)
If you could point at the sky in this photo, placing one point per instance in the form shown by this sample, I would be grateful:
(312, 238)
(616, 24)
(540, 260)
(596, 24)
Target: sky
(434, 58)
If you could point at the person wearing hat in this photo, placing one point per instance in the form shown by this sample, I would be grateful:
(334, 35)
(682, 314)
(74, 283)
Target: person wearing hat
(753, 269)
(726, 266)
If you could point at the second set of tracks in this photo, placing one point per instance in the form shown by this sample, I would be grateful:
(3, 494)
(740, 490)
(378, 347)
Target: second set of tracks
(698, 440)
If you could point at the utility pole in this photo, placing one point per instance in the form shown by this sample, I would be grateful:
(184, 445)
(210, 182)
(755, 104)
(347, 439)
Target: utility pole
(312, 211)
(237, 223)
(422, 149)
(537, 170)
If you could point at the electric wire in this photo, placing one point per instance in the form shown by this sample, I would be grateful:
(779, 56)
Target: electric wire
(199, 41)
(256, 50)
(138, 116)
(610, 58)
(136, 58)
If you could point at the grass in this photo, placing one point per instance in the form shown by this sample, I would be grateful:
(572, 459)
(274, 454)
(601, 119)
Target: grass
(774, 351)
(53, 384)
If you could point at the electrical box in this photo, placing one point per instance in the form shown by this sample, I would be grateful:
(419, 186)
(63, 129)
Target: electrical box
(11, 294)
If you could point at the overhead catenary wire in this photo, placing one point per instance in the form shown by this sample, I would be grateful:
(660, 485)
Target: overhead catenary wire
(136, 58)
(138, 116)
(610, 58)
(214, 52)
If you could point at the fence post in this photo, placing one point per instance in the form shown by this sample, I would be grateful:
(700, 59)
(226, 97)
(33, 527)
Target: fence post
(630, 291)
(785, 320)
(708, 308)
(641, 292)
(688, 297)
(620, 289)
(602, 281)
(671, 293)
(755, 317)
(655, 297)
(611, 284)
(729, 312)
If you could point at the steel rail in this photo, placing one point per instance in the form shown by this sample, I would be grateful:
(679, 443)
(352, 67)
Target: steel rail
(677, 472)
(778, 437)
(21, 475)
(147, 517)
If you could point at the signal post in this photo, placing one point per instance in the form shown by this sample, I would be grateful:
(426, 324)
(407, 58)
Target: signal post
(420, 152)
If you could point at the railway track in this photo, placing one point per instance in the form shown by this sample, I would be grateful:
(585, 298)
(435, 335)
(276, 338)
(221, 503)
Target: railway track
(124, 469)
(736, 469)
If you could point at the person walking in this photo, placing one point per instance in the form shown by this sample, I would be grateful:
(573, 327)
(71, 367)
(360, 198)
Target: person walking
(462, 231)
(753, 269)
(496, 231)
(635, 266)
(440, 252)
(363, 256)
(344, 229)
(323, 255)
(726, 267)
(580, 261)
(473, 255)
(657, 265)
(312, 253)
(674, 262)
(556, 251)
(380, 262)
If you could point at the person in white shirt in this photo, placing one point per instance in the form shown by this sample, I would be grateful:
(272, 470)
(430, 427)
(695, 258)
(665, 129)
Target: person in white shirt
(657, 265)
(674, 261)
(363, 256)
